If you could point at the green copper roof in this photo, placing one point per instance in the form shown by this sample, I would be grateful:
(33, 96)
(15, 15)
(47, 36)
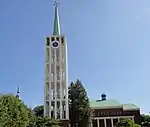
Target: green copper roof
(111, 103)
(56, 30)
(108, 103)
(130, 107)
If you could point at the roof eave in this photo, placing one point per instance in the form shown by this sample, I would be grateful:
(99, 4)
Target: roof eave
(136, 109)
(108, 107)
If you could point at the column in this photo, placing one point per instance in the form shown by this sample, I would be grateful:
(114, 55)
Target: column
(67, 110)
(45, 94)
(45, 75)
(60, 64)
(118, 119)
(97, 122)
(133, 118)
(55, 83)
(66, 83)
(44, 107)
(50, 87)
(105, 122)
(50, 96)
(112, 122)
(91, 123)
(45, 98)
(60, 100)
(55, 107)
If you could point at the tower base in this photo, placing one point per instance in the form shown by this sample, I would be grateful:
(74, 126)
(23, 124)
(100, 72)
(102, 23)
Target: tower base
(64, 123)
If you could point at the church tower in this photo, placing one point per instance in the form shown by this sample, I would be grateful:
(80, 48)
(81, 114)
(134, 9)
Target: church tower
(56, 74)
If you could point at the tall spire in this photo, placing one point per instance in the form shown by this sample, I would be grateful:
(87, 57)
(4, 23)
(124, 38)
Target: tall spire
(56, 30)
(18, 91)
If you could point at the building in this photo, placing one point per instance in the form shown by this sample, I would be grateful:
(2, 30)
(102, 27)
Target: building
(107, 112)
(56, 74)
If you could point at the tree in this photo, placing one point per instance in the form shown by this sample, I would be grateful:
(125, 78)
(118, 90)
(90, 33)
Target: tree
(39, 110)
(46, 122)
(145, 119)
(32, 118)
(79, 106)
(13, 112)
(125, 122)
(41, 120)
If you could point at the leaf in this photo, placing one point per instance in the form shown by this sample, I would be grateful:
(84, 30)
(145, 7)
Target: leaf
(13, 112)
(78, 104)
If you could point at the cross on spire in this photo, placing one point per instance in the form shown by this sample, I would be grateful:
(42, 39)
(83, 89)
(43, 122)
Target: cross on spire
(56, 3)
(56, 29)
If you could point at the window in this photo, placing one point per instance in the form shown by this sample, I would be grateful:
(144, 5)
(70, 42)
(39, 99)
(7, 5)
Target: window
(48, 42)
(52, 39)
(58, 55)
(62, 40)
(47, 54)
(57, 38)
(52, 76)
(53, 55)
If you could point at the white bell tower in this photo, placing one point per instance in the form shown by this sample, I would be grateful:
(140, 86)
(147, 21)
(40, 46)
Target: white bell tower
(56, 74)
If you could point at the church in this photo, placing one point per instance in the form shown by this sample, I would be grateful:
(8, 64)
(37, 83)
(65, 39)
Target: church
(106, 112)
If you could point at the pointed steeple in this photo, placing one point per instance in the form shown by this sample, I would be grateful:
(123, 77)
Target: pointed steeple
(56, 29)
(18, 91)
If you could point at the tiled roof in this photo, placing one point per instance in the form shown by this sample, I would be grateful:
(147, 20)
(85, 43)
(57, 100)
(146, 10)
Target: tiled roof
(111, 103)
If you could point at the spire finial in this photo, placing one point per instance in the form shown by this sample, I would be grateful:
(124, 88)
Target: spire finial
(56, 30)
(56, 3)
(18, 91)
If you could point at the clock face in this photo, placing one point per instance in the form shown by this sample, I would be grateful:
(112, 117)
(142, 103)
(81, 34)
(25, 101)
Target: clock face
(55, 44)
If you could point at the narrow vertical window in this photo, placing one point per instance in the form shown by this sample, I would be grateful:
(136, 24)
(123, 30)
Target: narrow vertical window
(47, 41)
(53, 55)
(58, 55)
(52, 39)
(58, 109)
(47, 71)
(47, 54)
(62, 40)
(57, 38)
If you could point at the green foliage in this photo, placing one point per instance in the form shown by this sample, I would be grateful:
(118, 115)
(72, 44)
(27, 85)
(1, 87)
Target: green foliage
(13, 112)
(78, 105)
(145, 119)
(39, 110)
(37, 118)
(125, 122)
(32, 118)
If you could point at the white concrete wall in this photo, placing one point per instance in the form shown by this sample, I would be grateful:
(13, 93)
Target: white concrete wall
(56, 80)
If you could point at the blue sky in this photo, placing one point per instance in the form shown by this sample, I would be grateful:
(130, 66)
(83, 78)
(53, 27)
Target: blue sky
(108, 47)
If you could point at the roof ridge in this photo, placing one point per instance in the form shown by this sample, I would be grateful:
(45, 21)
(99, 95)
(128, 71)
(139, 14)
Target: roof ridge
(128, 104)
(100, 99)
